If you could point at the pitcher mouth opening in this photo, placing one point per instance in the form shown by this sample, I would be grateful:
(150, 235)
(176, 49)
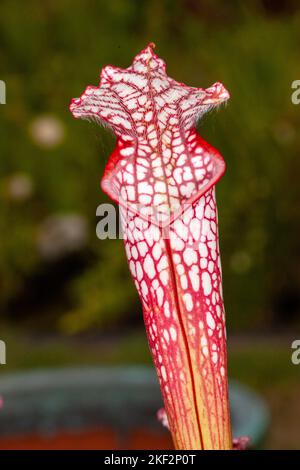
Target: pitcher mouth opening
(153, 200)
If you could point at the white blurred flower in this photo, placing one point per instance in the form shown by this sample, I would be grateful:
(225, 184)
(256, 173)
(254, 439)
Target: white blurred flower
(62, 234)
(163, 418)
(47, 131)
(19, 187)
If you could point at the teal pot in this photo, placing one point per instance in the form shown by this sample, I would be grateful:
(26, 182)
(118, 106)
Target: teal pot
(101, 408)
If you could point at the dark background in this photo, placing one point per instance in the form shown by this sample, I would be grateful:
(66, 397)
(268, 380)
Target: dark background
(65, 296)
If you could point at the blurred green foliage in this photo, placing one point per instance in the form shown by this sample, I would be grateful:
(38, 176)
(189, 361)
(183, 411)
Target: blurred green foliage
(49, 52)
(43, 351)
